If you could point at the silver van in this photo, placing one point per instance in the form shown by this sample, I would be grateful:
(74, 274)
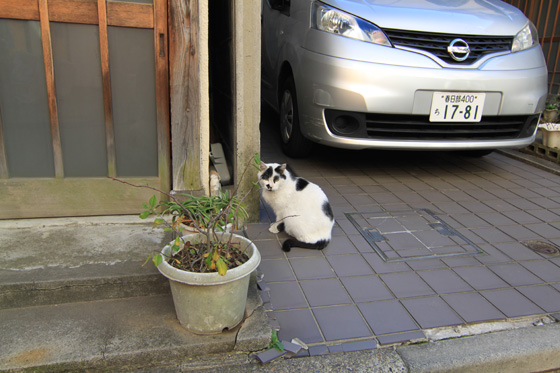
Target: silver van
(402, 74)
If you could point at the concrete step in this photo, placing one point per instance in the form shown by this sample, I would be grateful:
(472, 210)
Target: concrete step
(74, 295)
(52, 261)
(116, 334)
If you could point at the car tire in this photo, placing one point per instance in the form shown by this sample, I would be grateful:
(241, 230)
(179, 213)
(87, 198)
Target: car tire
(294, 144)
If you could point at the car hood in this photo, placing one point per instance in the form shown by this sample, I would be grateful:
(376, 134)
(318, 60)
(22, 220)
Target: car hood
(474, 17)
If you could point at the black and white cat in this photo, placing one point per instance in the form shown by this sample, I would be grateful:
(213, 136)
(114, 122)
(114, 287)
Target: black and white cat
(301, 207)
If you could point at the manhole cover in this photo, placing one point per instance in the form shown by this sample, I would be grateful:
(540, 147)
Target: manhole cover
(410, 235)
(542, 247)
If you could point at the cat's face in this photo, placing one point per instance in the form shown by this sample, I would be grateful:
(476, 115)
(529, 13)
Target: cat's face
(271, 175)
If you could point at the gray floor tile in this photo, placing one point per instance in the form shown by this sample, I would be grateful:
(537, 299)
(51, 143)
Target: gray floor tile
(298, 252)
(461, 261)
(341, 322)
(312, 268)
(480, 278)
(298, 323)
(366, 289)
(544, 269)
(444, 281)
(473, 307)
(544, 296)
(350, 265)
(522, 217)
(276, 270)
(270, 249)
(431, 312)
(340, 245)
(511, 303)
(517, 251)
(387, 317)
(418, 265)
(318, 350)
(327, 292)
(379, 266)
(286, 295)
(514, 274)
(354, 346)
(406, 284)
(361, 244)
(492, 235)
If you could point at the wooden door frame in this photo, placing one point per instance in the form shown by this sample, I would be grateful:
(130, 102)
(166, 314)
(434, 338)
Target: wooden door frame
(63, 196)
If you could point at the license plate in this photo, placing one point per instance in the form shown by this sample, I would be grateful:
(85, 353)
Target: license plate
(457, 107)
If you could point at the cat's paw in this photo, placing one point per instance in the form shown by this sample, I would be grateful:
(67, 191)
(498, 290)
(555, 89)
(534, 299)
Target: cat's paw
(274, 229)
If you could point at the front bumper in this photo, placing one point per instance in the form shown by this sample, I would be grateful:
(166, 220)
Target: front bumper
(328, 84)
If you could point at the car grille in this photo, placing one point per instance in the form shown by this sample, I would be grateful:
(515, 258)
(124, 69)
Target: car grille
(417, 127)
(436, 44)
(391, 127)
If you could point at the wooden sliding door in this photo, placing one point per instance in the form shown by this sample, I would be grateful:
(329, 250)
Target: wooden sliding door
(83, 95)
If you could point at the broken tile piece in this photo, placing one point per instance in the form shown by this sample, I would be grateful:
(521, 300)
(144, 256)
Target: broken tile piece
(291, 347)
(300, 342)
(270, 355)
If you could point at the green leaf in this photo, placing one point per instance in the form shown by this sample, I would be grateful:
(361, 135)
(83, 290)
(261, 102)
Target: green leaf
(157, 259)
(153, 201)
(145, 206)
(275, 342)
(145, 214)
(158, 221)
(222, 266)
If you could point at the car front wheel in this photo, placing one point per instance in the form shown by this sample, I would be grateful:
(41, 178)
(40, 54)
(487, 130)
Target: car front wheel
(294, 144)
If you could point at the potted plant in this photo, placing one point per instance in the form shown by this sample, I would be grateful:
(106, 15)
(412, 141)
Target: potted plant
(550, 113)
(209, 269)
(200, 211)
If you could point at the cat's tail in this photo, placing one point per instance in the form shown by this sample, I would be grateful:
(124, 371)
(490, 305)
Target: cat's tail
(290, 242)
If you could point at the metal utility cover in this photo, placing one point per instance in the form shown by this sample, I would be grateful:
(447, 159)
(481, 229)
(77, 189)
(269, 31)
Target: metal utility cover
(411, 235)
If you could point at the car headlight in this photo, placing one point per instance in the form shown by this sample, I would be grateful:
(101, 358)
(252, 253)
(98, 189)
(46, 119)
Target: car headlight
(526, 38)
(326, 18)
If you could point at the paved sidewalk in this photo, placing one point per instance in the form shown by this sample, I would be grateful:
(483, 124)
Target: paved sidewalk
(455, 233)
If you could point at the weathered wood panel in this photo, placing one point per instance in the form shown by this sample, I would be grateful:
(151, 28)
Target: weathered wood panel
(185, 94)
(24, 198)
(81, 11)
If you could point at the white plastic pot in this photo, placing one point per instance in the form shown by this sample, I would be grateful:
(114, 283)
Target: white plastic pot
(207, 303)
(551, 139)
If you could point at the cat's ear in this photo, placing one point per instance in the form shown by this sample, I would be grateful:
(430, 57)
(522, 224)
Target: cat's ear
(282, 168)
(263, 166)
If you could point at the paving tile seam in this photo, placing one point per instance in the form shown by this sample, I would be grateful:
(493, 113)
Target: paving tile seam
(436, 294)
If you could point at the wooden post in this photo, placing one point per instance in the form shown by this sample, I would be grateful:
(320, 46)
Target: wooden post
(162, 92)
(189, 94)
(51, 92)
(107, 98)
